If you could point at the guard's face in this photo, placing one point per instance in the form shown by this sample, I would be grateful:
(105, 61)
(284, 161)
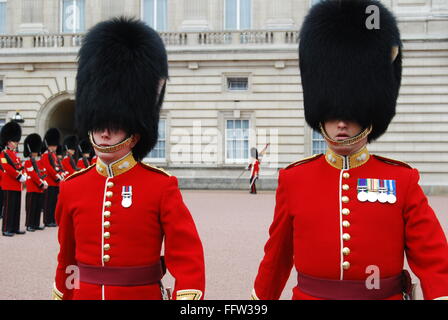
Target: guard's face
(110, 137)
(52, 148)
(342, 129)
(12, 145)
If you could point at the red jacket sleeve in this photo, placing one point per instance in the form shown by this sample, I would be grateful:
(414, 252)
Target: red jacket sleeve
(426, 245)
(50, 170)
(66, 238)
(9, 169)
(184, 255)
(277, 263)
(32, 174)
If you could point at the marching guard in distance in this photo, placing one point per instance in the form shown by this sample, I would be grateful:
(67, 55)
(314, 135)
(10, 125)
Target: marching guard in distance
(115, 215)
(35, 184)
(12, 180)
(85, 149)
(69, 162)
(254, 167)
(348, 217)
(54, 174)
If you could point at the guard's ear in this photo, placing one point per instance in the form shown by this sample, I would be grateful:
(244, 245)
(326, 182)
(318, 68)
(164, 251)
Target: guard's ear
(395, 51)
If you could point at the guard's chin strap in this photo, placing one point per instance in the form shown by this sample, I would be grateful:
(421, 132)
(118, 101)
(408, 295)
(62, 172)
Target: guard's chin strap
(110, 149)
(348, 141)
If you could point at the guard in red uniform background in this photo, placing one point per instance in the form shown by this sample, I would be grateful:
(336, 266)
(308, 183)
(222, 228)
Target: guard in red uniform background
(69, 162)
(85, 149)
(254, 167)
(12, 180)
(35, 184)
(115, 216)
(2, 171)
(54, 174)
(346, 219)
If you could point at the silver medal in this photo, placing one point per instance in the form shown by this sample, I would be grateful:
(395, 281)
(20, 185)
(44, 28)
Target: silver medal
(382, 197)
(391, 198)
(362, 196)
(372, 196)
(126, 194)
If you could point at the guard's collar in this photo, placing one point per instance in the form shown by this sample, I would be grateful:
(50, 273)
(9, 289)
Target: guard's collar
(117, 167)
(354, 160)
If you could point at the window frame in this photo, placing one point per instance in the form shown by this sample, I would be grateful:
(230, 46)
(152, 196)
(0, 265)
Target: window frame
(236, 160)
(61, 15)
(6, 16)
(320, 138)
(155, 15)
(238, 15)
(159, 160)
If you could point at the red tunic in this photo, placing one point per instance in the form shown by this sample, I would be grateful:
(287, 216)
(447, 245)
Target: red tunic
(94, 224)
(254, 168)
(11, 176)
(35, 182)
(69, 164)
(50, 163)
(318, 214)
(83, 165)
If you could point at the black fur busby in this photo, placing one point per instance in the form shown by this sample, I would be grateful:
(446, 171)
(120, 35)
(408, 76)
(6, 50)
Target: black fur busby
(32, 143)
(10, 132)
(346, 64)
(60, 150)
(84, 146)
(70, 142)
(121, 63)
(52, 138)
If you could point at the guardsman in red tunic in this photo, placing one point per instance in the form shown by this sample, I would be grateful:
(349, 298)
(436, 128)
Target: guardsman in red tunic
(85, 149)
(35, 184)
(69, 162)
(12, 180)
(346, 219)
(2, 171)
(54, 174)
(115, 216)
(254, 167)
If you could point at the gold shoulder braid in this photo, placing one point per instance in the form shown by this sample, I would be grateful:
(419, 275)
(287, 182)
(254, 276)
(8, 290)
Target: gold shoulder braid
(155, 169)
(305, 160)
(77, 173)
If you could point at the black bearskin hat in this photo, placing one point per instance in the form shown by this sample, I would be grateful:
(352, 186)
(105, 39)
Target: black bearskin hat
(60, 150)
(84, 146)
(121, 63)
(10, 132)
(52, 138)
(346, 65)
(70, 142)
(32, 143)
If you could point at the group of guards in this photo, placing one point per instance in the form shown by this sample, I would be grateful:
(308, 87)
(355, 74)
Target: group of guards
(47, 164)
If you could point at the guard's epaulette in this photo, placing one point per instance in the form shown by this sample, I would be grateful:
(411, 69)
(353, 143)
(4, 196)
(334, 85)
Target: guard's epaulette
(155, 169)
(308, 159)
(393, 161)
(80, 172)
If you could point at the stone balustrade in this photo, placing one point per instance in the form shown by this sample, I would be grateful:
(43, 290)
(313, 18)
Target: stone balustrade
(171, 39)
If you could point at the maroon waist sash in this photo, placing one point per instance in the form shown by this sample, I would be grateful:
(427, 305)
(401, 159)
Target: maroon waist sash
(121, 276)
(350, 289)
